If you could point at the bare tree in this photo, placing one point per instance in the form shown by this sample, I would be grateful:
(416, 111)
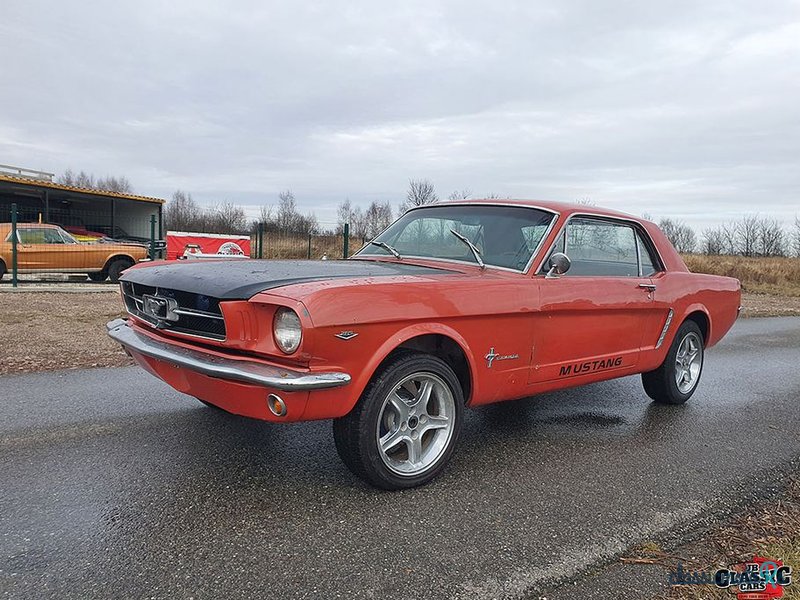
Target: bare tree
(181, 213)
(420, 191)
(679, 234)
(771, 238)
(377, 218)
(714, 241)
(729, 237)
(287, 217)
(85, 180)
(343, 214)
(747, 234)
(460, 195)
(228, 218)
(796, 237)
(120, 185)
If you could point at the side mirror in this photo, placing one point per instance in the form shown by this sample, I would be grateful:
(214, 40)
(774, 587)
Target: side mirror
(559, 264)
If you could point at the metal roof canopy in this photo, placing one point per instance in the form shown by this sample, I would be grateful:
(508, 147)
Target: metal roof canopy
(34, 182)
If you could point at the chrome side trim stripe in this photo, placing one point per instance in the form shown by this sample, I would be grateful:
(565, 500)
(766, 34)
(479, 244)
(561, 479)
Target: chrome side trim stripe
(664, 331)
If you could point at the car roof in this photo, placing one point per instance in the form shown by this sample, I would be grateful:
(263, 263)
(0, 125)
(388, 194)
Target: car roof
(29, 225)
(559, 207)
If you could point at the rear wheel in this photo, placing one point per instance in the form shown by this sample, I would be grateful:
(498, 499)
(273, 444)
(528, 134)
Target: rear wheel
(2, 269)
(98, 277)
(676, 379)
(404, 428)
(117, 266)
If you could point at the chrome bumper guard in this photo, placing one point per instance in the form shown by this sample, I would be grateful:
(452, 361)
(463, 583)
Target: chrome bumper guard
(246, 371)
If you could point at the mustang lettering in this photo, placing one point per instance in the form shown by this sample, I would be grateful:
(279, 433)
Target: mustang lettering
(595, 365)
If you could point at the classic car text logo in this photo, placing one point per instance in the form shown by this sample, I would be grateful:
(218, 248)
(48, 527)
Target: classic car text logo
(590, 366)
(493, 356)
(346, 335)
(160, 308)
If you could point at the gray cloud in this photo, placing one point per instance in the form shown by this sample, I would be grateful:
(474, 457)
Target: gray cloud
(679, 109)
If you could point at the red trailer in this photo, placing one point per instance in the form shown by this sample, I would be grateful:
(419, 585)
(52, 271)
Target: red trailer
(180, 243)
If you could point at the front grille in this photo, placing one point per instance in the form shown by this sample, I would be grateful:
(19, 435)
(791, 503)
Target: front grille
(196, 314)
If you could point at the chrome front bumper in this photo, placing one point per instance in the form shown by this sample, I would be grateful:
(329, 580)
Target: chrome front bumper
(245, 371)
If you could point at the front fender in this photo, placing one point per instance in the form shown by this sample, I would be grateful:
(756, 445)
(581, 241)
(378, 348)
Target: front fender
(365, 373)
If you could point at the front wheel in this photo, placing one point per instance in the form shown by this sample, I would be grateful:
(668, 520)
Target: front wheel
(116, 268)
(676, 379)
(404, 428)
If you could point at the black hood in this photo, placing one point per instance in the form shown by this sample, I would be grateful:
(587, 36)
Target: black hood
(242, 279)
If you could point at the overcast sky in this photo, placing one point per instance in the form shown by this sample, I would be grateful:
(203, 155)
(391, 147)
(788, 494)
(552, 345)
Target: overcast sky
(682, 109)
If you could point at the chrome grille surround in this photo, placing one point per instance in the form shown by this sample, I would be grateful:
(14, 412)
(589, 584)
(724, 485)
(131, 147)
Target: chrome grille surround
(197, 315)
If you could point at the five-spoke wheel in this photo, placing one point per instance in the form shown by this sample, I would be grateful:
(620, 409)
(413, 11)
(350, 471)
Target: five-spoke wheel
(416, 423)
(676, 379)
(405, 426)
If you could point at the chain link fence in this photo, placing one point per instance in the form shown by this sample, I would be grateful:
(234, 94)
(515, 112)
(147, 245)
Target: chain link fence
(69, 248)
(310, 246)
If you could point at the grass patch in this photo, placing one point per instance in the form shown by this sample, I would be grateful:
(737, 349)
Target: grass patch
(776, 276)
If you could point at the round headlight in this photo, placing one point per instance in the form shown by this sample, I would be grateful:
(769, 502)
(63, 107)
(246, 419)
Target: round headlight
(287, 330)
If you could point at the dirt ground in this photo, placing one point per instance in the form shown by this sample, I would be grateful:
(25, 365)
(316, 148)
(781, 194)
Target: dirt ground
(46, 331)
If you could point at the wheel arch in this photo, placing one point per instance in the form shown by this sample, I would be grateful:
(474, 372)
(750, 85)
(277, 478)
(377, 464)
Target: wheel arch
(432, 338)
(116, 256)
(699, 315)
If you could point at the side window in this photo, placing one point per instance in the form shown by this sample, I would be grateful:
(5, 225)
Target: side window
(648, 261)
(599, 247)
(33, 235)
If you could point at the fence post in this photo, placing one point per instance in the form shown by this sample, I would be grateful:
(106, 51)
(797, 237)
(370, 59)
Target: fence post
(260, 241)
(152, 237)
(14, 245)
(309, 246)
(346, 239)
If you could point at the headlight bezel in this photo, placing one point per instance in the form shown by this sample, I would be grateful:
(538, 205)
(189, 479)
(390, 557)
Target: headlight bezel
(286, 321)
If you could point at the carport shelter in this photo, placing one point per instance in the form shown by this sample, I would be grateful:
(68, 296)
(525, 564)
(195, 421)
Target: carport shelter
(120, 216)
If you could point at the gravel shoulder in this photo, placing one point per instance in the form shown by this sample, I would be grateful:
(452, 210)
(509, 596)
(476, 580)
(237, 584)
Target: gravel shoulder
(48, 331)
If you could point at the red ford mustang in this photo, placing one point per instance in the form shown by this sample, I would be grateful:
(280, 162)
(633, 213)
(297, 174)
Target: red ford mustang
(455, 305)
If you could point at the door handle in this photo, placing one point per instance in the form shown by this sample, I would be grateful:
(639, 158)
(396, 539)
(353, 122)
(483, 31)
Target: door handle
(650, 287)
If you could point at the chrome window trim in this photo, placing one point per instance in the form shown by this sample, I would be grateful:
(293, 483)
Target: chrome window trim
(553, 221)
(637, 226)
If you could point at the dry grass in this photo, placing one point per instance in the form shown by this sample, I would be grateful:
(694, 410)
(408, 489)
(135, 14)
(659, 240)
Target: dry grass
(774, 276)
(297, 246)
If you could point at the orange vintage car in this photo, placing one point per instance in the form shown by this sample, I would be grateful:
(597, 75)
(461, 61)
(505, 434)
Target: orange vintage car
(455, 305)
(50, 249)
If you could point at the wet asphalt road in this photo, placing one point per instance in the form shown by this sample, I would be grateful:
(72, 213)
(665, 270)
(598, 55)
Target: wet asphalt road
(113, 485)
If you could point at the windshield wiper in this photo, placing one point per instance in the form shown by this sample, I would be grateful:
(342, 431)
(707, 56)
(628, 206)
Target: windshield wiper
(475, 252)
(387, 247)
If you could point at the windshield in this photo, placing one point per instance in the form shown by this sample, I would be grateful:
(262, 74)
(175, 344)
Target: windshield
(505, 236)
(68, 239)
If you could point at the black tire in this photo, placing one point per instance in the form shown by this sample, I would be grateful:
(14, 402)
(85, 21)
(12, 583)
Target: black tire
(98, 277)
(662, 383)
(357, 433)
(2, 269)
(116, 267)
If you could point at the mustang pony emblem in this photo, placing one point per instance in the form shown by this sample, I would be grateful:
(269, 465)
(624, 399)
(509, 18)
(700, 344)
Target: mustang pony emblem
(160, 308)
(493, 356)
